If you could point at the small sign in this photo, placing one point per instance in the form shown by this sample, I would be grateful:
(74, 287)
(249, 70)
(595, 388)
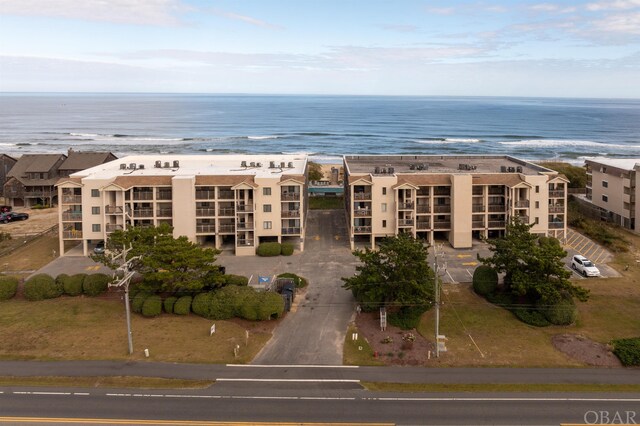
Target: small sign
(354, 336)
(266, 280)
(213, 330)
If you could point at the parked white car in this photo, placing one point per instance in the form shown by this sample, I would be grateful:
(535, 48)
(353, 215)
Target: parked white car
(584, 266)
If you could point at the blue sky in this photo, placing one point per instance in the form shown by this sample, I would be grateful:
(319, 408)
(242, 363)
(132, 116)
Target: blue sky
(374, 47)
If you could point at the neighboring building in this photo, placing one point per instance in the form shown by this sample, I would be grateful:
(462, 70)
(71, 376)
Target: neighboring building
(31, 180)
(6, 164)
(612, 189)
(227, 201)
(458, 198)
(77, 161)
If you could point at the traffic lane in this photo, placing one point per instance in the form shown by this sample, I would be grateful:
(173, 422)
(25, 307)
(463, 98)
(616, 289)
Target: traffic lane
(464, 408)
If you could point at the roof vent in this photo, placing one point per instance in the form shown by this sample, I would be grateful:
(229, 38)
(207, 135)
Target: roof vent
(167, 164)
(132, 166)
(158, 164)
(176, 164)
(243, 163)
(123, 166)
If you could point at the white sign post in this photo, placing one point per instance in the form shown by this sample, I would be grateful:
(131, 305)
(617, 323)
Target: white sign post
(213, 330)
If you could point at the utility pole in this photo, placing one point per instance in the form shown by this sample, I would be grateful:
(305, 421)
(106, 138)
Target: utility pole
(126, 275)
(436, 267)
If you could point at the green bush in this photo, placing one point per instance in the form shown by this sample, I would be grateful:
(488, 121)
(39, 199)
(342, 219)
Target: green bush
(563, 312)
(628, 351)
(152, 306)
(72, 285)
(270, 305)
(232, 279)
(95, 284)
(485, 280)
(8, 287)
(249, 308)
(530, 316)
(182, 305)
(299, 281)
(201, 304)
(407, 317)
(269, 249)
(40, 287)
(138, 301)
(286, 249)
(168, 304)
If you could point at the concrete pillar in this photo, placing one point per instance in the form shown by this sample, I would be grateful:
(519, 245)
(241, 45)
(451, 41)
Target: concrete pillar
(461, 210)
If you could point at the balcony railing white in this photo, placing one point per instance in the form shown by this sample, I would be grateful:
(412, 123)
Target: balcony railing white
(290, 231)
(556, 194)
(405, 222)
(521, 204)
(75, 216)
(206, 211)
(361, 229)
(72, 199)
(496, 224)
(201, 229)
(290, 196)
(290, 213)
(362, 196)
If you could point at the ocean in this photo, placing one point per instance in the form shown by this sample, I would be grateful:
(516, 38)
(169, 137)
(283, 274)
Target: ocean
(324, 127)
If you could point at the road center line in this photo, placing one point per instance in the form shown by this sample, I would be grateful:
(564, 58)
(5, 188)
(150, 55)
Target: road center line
(291, 380)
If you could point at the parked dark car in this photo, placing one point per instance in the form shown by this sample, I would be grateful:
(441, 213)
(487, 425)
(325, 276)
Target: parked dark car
(11, 216)
(99, 248)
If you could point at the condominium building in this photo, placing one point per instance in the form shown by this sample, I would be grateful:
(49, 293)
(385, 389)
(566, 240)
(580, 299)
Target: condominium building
(457, 198)
(612, 189)
(227, 201)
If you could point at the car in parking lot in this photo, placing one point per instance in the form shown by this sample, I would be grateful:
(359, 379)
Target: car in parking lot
(12, 216)
(584, 266)
(99, 248)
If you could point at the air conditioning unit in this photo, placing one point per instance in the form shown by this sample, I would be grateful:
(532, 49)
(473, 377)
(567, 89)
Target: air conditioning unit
(123, 166)
(391, 170)
(272, 164)
(282, 164)
(158, 164)
(252, 164)
(176, 164)
(243, 163)
(290, 165)
(376, 170)
(519, 169)
(132, 166)
(412, 166)
(167, 164)
(259, 164)
(141, 166)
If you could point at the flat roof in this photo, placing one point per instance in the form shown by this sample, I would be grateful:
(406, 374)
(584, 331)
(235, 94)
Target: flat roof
(450, 164)
(198, 165)
(621, 163)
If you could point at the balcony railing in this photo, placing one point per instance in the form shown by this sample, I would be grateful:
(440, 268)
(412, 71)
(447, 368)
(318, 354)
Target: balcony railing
(164, 195)
(556, 194)
(556, 225)
(75, 216)
(290, 231)
(477, 208)
(423, 208)
(206, 211)
(164, 213)
(205, 195)
(72, 235)
(406, 206)
(496, 224)
(226, 212)
(142, 212)
(521, 204)
(477, 190)
(226, 195)
(493, 208)
(405, 222)
(423, 224)
(72, 199)
(227, 228)
(143, 195)
(200, 229)
(477, 224)
(442, 209)
(244, 226)
(362, 196)
(496, 191)
(290, 196)
(110, 227)
(441, 225)
(362, 212)
(556, 209)
(290, 213)
(422, 192)
(113, 209)
(442, 191)
(245, 243)
(244, 208)
(523, 218)
(361, 229)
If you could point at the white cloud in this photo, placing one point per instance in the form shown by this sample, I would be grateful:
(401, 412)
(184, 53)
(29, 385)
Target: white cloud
(627, 23)
(551, 8)
(139, 12)
(246, 19)
(613, 5)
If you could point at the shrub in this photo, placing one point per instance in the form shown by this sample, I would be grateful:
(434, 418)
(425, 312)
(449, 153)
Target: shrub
(407, 317)
(485, 280)
(563, 312)
(95, 284)
(270, 305)
(231, 279)
(530, 316)
(40, 287)
(286, 249)
(628, 351)
(249, 309)
(300, 282)
(152, 306)
(201, 304)
(8, 287)
(138, 301)
(168, 304)
(269, 249)
(182, 305)
(72, 285)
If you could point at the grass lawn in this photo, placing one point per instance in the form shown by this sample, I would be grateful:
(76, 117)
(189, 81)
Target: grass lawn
(357, 352)
(90, 329)
(32, 256)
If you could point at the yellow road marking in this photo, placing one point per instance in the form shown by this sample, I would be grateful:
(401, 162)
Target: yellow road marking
(164, 422)
(470, 263)
(460, 256)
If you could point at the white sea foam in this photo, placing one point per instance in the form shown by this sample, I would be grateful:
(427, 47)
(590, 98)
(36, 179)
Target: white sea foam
(553, 143)
(462, 140)
(298, 153)
(262, 137)
(446, 141)
(7, 144)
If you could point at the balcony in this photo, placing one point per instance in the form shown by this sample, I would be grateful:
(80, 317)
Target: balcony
(556, 209)
(244, 226)
(72, 216)
(556, 193)
(405, 222)
(362, 212)
(205, 195)
(142, 213)
(477, 190)
(477, 224)
(423, 192)
(202, 229)
(441, 224)
(362, 196)
(143, 195)
(72, 199)
(207, 211)
(361, 229)
(227, 229)
(113, 209)
(164, 213)
(72, 235)
(406, 205)
(290, 196)
(164, 195)
(442, 209)
(226, 212)
(110, 227)
(290, 231)
(423, 224)
(521, 204)
(423, 208)
(226, 195)
(496, 191)
(244, 208)
(290, 213)
(442, 191)
(245, 243)
(497, 224)
(556, 225)
(497, 208)
(477, 208)
(523, 218)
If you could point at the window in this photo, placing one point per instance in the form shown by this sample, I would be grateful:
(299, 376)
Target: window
(627, 206)
(266, 208)
(384, 191)
(605, 184)
(95, 193)
(95, 227)
(266, 191)
(384, 223)
(383, 207)
(537, 189)
(537, 204)
(95, 210)
(605, 198)
(266, 224)
(535, 221)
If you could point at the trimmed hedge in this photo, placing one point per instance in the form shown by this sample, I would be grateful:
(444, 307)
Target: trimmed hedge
(182, 305)
(232, 279)
(95, 284)
(563, 312)
(8, 287)
(530, 316)
(40, 287)
(271, 305)
(138, 301)
(201, 304)
(628, 351)
(485, 280)
(72, 285)
(152, 306)
(269, 249)
(168, 304)
(237, 301)
(286, 249)
(299, 281)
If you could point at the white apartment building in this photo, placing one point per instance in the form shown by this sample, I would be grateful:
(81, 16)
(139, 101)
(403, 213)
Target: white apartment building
(612, 189)
(227, 201)
(457, 198)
